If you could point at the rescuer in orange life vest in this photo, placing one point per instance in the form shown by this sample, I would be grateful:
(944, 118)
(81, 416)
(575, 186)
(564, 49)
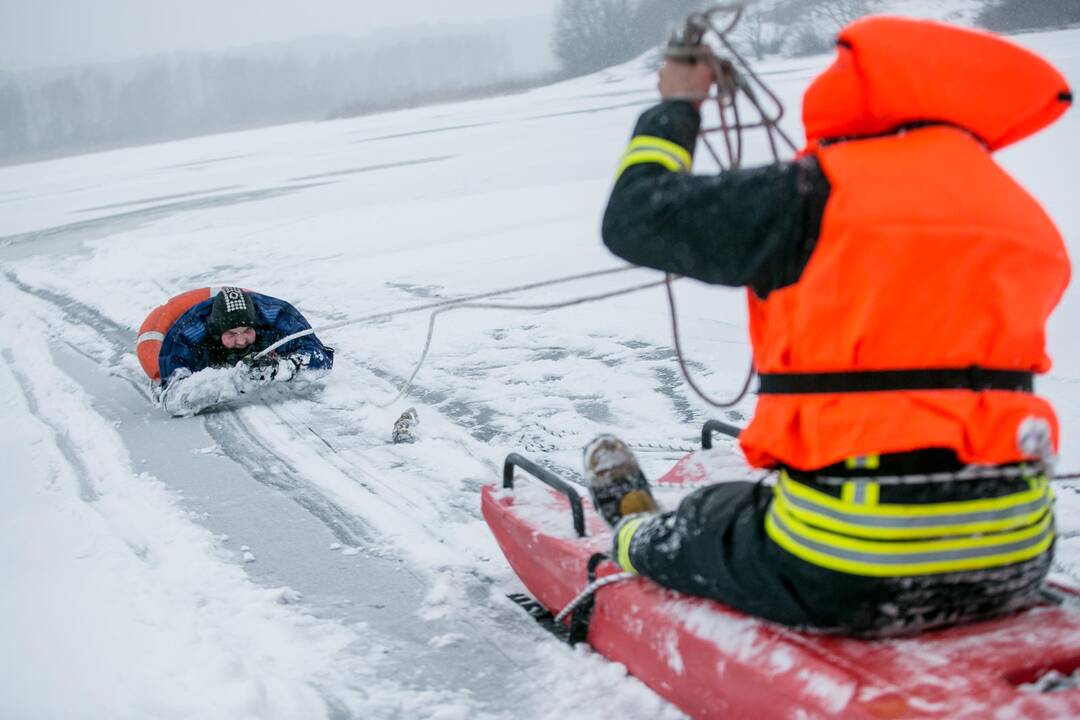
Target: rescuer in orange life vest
(899, 283)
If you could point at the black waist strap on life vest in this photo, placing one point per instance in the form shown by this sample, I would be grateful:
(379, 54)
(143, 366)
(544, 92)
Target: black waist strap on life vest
(971, 378)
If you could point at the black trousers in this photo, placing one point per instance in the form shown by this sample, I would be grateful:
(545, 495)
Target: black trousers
(715, 546)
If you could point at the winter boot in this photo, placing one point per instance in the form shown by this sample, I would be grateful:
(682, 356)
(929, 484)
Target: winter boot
(616, 484)
(403, 427)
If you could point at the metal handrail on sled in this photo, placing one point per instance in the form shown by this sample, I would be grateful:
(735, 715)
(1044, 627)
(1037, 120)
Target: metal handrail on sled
(514, 460)
(551, 480)
(717, 426)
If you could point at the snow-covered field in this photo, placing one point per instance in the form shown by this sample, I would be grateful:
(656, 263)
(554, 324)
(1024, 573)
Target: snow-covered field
(284, 560)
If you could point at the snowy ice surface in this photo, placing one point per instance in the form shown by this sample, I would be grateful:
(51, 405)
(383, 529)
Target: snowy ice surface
(121, 597)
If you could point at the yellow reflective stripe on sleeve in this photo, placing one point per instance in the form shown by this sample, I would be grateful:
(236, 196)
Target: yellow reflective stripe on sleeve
(651, 149)
(640, 157)
(860, 557)
(622, 543)
(658, 143)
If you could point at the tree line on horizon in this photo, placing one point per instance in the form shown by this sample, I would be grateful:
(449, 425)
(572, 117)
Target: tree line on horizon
(47, 113)
(44, 114)
(594, 34)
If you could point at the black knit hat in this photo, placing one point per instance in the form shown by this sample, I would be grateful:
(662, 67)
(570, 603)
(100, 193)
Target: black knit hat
(232, 309)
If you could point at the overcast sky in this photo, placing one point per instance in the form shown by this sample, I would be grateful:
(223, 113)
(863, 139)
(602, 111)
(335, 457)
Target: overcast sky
(45, 33)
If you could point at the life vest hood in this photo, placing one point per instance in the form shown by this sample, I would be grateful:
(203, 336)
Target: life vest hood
(892, 72)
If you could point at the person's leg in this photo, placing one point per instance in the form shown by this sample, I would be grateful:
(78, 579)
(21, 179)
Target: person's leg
(918, 604)
(715, 546)
(617, 487)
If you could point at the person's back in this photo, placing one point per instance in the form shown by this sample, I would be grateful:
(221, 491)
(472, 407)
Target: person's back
(900, 287)
(928, 256)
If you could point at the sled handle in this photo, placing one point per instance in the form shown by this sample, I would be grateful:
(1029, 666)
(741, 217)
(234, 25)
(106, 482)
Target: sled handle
(717, 426)
(550, 479)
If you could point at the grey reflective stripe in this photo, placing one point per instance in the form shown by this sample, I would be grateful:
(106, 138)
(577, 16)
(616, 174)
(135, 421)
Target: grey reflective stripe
(972, 472)
(653, 149)
(860, 492)
(911, 558)
(882, 521)
(150, 335)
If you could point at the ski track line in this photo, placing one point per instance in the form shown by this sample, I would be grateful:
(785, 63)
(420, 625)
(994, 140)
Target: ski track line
(87, 492)
(226, 428)
(265, 464)
(475, 417)
(336, 459)
(243, 445)
(269, 467)
(237, 438)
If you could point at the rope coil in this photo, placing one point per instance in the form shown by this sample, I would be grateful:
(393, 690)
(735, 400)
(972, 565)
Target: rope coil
(589, 590)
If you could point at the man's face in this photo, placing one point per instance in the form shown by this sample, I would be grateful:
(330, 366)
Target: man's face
(238, 338)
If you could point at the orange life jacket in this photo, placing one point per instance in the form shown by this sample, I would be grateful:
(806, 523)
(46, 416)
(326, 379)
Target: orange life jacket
(929, 256)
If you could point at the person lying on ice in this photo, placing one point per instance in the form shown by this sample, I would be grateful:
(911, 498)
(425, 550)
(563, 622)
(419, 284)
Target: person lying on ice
(899, 286)
(202, 346)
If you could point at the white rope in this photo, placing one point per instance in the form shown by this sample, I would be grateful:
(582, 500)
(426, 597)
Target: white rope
(390, 314)
(467, 302)
(507, 306)
(681, 358)
(660, 447)
(589, 590)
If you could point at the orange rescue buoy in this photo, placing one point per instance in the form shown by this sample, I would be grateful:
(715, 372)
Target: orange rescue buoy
(159, 321)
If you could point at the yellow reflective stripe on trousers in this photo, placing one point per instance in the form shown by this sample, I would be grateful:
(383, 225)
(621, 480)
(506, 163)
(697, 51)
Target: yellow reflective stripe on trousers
(895, 540)
(886, 521)
(860, 492)
(622, 543)
(651, 149)
(895, 559)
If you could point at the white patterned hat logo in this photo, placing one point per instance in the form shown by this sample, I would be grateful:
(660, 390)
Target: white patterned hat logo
(234, 299)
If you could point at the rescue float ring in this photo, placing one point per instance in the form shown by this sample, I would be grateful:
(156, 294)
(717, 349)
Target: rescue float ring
(158, 323)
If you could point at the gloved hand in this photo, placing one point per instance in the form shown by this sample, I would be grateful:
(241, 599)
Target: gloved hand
(288, 367)
(249, 375)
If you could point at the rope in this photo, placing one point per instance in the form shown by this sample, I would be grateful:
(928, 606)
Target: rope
(507, 306)
(589, 590)
(722, 404)
(390, 314)
(734, 78)
(660, 447)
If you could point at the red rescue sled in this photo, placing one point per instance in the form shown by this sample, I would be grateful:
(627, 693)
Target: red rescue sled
(713, 662)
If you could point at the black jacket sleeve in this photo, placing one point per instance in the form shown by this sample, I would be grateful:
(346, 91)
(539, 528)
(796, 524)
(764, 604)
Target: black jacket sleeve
(753, 227)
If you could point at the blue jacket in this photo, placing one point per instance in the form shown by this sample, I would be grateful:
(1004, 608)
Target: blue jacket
(186, 344)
